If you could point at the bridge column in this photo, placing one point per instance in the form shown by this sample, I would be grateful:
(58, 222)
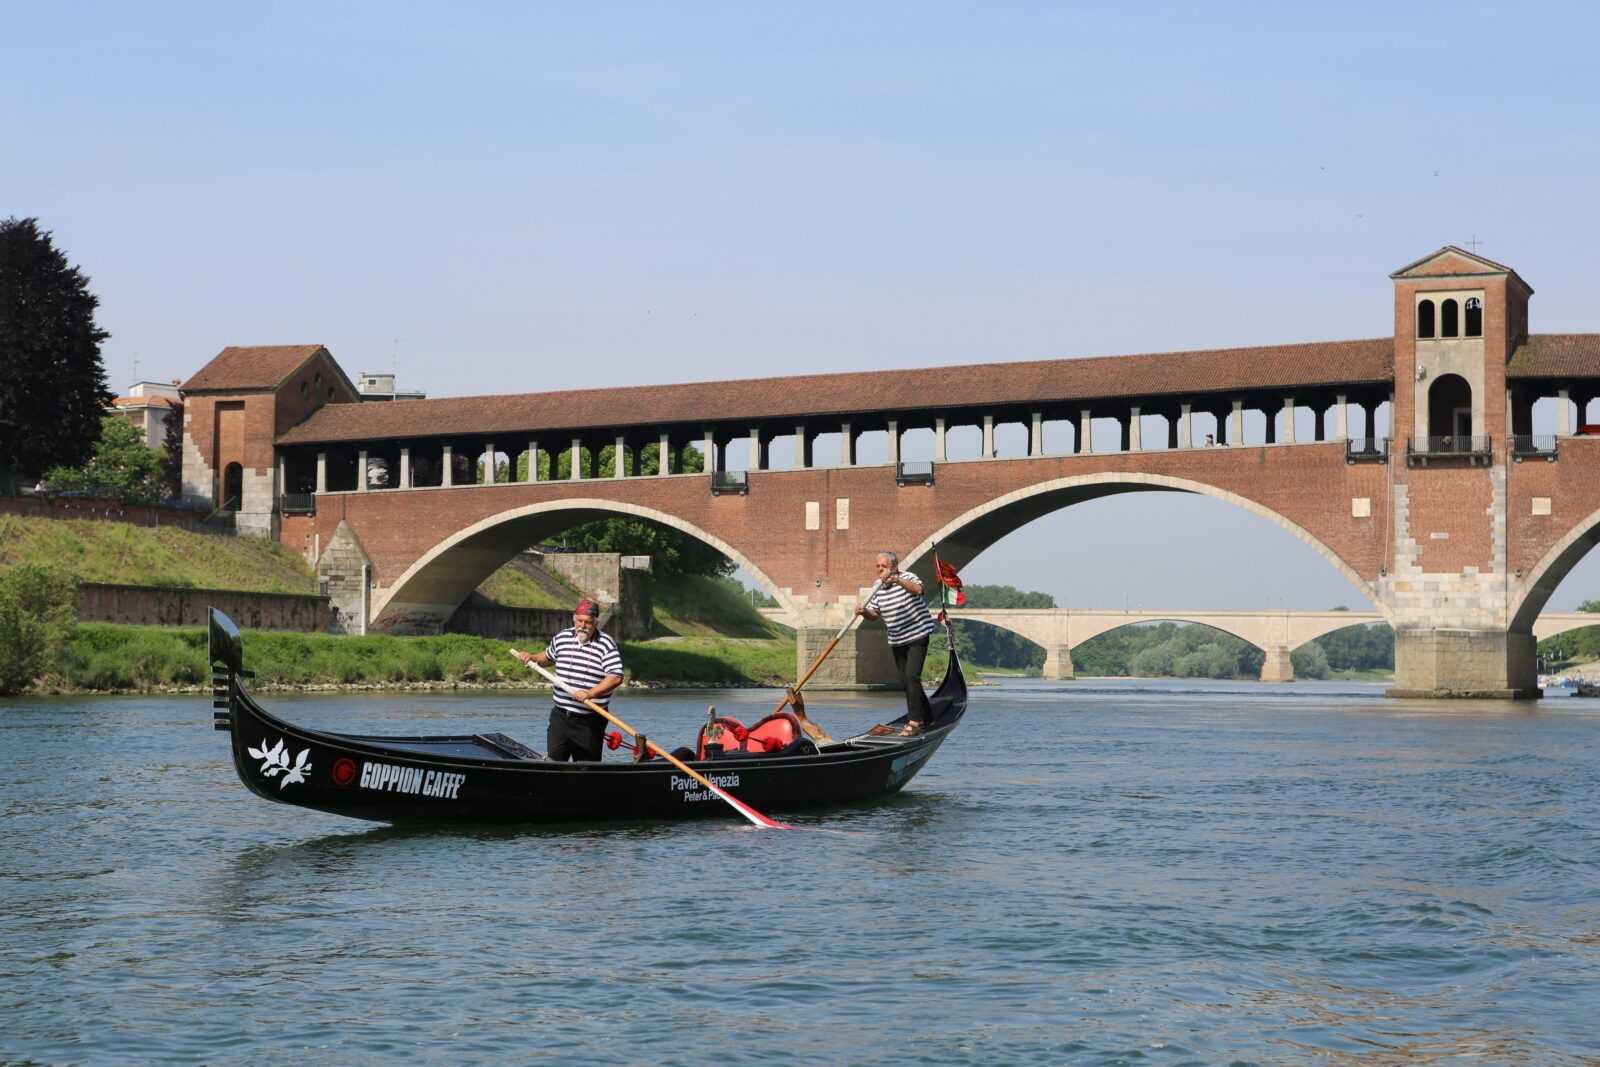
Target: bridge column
(533, 460)
(361, 471)
(847, 446)
(861, 660)
(1288, 420)
(1036, 435)
(802, 447)
(1278, 666)
(447, 476)
(1134, 438)
(322, 472)
(664, 456)
(894, 441)
(1085, 432)
(280, 485)
(1341, 425)
(1185, 426)
(938, 440)
(488, 463)
(405, 467)
(575, 454)
(1563, 413)
(1058, 664)
(1433, 661)
(988, 437)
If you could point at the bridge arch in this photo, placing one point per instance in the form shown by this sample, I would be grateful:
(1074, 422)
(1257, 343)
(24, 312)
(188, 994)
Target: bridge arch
(962, 539)
(442, 577)
(1540, 585)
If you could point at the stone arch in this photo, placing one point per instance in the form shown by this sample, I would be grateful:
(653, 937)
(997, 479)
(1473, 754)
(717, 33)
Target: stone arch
(441, 577)
(965, 537)
(1541, 583)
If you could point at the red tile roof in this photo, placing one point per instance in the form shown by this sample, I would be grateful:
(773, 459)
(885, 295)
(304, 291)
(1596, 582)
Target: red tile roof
(1045, 382)
(1556, 355)
(250, 367)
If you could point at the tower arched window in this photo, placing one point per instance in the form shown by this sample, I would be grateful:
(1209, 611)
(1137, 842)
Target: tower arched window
(1474, 317)
(1449, 319)
(1425, 319)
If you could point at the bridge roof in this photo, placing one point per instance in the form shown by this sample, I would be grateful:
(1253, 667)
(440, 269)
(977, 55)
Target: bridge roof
(1043, 382)
(1556, 355)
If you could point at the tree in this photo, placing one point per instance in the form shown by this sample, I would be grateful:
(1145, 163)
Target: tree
(1589, 606)
(53, 391)
(38, 610)
(172, 453)
(1309, 661)
(122, 465)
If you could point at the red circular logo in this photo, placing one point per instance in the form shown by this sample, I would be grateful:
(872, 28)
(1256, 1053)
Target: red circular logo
(344, 771)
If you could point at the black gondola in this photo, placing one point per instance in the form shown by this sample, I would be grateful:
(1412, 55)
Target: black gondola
(495, 778)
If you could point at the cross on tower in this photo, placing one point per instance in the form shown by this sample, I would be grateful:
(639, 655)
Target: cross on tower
(1474, 243)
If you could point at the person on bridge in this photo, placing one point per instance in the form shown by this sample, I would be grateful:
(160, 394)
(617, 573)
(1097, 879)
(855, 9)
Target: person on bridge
(905, 614)
(590, 662)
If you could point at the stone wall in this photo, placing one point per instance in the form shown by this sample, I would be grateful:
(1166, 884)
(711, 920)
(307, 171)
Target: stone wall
(485, 618)
(56, 507)
(344, 572)
(144, 605)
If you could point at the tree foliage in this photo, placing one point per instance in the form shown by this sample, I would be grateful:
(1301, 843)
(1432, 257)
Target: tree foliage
(53, 389)
(122, 465)
(172, 453)
(38, 610)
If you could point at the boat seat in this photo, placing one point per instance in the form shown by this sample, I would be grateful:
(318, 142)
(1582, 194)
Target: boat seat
(776, 735)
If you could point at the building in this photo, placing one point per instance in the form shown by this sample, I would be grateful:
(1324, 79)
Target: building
(147, 406)
(378, 386)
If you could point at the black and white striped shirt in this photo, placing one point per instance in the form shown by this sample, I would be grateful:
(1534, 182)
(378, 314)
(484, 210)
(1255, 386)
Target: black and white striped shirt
(583, 665)
(904, 613)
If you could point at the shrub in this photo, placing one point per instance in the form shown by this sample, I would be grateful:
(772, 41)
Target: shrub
(38, 610)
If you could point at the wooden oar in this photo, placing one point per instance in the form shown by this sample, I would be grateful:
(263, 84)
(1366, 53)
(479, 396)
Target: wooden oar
(738, 805)
(813, 731)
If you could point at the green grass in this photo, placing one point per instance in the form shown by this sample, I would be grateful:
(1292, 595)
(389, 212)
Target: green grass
(119, 553)
(107, 656)
(1373, 675)
(698, 606)
(524, 584)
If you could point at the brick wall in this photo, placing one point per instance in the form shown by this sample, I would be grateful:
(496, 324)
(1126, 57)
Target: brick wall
(106, 510)
(162, 606)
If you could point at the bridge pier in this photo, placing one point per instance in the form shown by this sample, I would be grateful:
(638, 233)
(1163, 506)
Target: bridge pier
(1278, 666)
(862, 659)
(1438, 662)
(1058, 664)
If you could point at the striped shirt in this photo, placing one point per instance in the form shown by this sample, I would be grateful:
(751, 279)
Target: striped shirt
(583, 665)
(904, 613)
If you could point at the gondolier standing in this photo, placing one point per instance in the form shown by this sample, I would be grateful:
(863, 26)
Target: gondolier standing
(590, 662)
(905, 614)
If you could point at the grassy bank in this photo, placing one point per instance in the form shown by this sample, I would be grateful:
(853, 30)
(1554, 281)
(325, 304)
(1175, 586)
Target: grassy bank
(103, 657)
(120, 553)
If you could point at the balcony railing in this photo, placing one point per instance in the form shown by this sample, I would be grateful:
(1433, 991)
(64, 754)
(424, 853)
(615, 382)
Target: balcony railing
(730, 482)
(1534, 446)
(1420, 451)
(297, 504)
(1366, 450)
(914, 472)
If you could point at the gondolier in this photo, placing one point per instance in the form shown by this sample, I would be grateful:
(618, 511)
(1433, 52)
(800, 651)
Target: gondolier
(905, 614)
(590, 662)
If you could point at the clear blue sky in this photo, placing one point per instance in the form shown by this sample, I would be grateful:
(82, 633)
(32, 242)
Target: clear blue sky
(510, 197)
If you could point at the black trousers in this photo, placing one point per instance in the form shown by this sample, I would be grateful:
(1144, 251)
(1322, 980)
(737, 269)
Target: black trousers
(908, 660)
(575, 737)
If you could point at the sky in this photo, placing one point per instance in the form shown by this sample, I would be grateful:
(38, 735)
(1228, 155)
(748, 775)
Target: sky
(493, 198)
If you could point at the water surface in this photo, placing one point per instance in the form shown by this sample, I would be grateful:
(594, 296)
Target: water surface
(1089, 872)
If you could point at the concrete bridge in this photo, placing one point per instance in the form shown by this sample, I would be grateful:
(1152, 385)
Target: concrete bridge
(1457, 524)
(1277, 633)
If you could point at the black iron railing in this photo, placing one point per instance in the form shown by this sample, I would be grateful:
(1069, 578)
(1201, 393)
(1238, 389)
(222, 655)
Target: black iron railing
(730, 482)
(1534, 446)
(297, 504)
(1420, 451)
(914, 472)
(1366, 450)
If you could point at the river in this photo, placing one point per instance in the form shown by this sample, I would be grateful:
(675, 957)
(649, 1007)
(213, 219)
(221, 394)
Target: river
(1088, 872)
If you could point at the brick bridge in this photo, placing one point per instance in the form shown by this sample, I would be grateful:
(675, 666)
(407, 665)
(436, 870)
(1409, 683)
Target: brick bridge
(1457, 524)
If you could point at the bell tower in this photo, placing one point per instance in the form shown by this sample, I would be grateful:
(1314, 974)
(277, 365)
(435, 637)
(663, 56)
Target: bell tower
(1457, 320)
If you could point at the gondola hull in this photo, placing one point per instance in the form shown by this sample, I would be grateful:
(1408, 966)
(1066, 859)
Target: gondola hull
(492, 778)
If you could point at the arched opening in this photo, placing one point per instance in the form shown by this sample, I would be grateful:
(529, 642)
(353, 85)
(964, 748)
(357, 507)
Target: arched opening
(1450, 414)
(1425, 319)
(1449, 319)
(232, 487)
(431, 589)
(1474, 317)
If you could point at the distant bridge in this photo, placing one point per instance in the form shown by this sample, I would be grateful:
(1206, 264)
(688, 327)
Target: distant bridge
(1276, 633)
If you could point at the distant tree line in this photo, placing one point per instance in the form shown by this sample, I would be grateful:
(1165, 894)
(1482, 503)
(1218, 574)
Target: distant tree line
(1574, 646)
